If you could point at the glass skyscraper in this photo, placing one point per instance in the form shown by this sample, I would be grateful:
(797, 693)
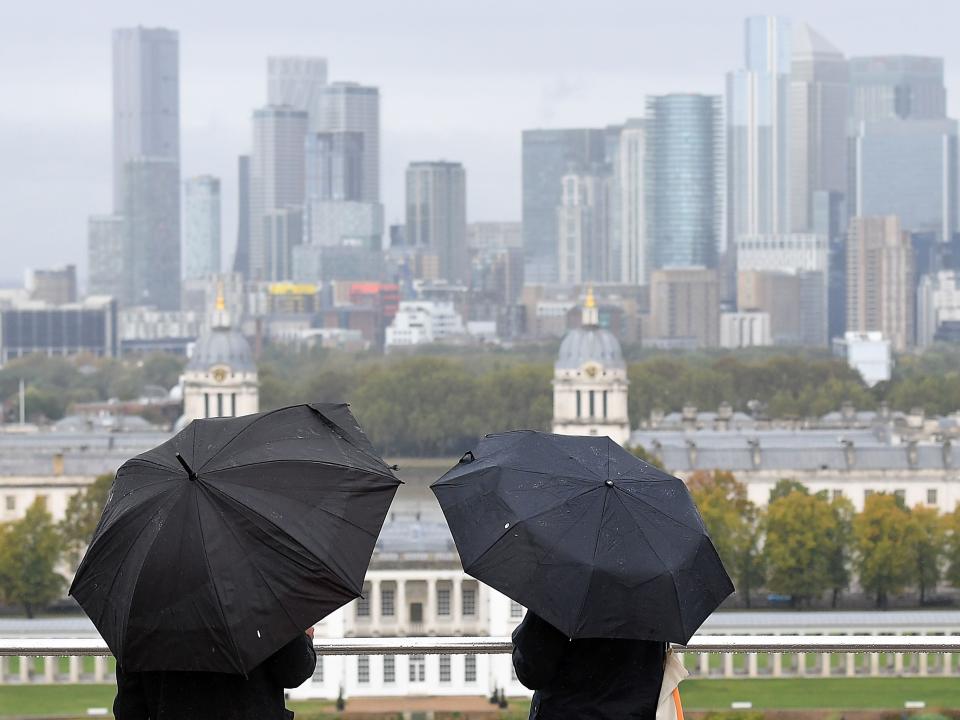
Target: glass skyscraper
(885, 87)
(684, 180)
(201, 227)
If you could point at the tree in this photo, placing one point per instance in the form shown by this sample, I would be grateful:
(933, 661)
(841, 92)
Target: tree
(926, 540)
(648, 457)
(734, 526)
(29, 550)
(784, 487)
(951, 527)
(81, 518)
(883, 554)
(797, 548)
(840, 546)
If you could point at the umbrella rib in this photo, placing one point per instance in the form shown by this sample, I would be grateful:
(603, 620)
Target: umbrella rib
(661, 512)
(552, 441)
(216, 590)
(593, 565)
(343, 435)
(238, 434)
(325, 463)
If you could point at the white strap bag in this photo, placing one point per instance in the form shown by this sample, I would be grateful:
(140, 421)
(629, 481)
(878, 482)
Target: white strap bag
(668, 706)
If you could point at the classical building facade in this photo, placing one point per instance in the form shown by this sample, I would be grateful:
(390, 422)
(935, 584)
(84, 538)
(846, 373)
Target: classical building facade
(590, 381)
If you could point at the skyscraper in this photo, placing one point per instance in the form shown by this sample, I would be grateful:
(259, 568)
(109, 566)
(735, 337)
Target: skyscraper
(758, 131)
(334, 165)
(548, 155)
(201, 230)
(276, 175)
(818, 123)
(583, 229)
(106, 243)
(353, 108)
(629, 197)
(437, 215)
(295, 80)
(684, 180)
(887, 87)
(241, 260)
(146, 100)
(880, 284)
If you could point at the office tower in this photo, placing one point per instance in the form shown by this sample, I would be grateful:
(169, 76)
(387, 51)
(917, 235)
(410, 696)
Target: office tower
(583, 223)
(684, 180)
(437, 215)
(347, 107)
(548, 155)
(54, 286)
(106, 253)
(889, 87)
(805, 256)
(201, 227)
(684, 308)
(334, 165)
(282, 232)
(276, 175)
(938, 307)
(488, 236)
(830, 220)
(776, 295)
(295, 81)
(152, 215)
(758, 134)
(907, 168)
(146, 100)
(344, 223)
(629, 202)
(241, 259)
(880, 280)
(818, 123)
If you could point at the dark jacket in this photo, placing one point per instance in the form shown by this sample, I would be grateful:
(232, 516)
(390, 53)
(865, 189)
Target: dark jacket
(207, 695)
(587, 679)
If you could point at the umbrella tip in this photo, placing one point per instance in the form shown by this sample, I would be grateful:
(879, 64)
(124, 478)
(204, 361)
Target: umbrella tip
(609, 483)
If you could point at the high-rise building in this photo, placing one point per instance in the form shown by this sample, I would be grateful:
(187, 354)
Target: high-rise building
(888, 87)
(84, 328)
(276, 175)
(880, 280)
(241, 259)
(548, 155)
(106, 253)
(334, 166)
(684, 180)
(776, 295)
(146, 100)
(907, 168)
(348, 107)
(684, 308)
(437, 215)
(282, 232)
(201, 227)
(152, 243)
(818, 124)
(55, 286)
(938, 306)
(583, 229)
(758, 133)
(629, 199)
(295, 80)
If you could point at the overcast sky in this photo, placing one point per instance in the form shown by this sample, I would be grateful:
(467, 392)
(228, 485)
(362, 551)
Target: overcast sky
(458, 81)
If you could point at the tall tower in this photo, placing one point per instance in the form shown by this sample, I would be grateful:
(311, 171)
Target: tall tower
(629, 187)
(295, 80)
(351, 107)
(201, 232)
(905, 87)
(437, 215)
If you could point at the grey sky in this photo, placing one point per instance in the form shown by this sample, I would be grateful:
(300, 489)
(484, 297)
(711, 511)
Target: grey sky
(458, 81)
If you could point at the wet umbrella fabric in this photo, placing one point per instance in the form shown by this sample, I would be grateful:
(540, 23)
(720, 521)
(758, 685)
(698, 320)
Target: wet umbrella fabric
(595, 541)
(215, 559)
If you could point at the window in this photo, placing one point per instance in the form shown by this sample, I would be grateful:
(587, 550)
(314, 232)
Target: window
(592, 406)
(418, 669)
(444, 668)
(206, 405)
(901, 495)
(363, 669)
(470, 668)
(389, 669)
(867, 494)
(219, 404)
(416, 613)
(11, 502)
(578, 403)
(932, 496)
(363, 602)
(318, 670)
(516, 610)
(837, 494)
(469, 602)
(443, 601)
(386, 602)
(604, 403)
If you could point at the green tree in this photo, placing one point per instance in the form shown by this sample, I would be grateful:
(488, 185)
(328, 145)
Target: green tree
(784, 487)
(797, 545)
(733, 522)
(840, 546)
(926, 541)
(517, 397)
(29, 550)
(81, 518)
(883, 554)
(951, 527)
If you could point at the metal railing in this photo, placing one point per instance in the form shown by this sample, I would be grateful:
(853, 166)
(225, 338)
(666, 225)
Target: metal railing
(815, 644)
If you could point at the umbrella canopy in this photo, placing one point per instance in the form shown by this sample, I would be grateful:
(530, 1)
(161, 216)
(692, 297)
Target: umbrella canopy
(219, 546)
(595, 541)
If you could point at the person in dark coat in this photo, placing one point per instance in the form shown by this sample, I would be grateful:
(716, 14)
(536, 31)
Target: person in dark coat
(589, 679)
(207, 695)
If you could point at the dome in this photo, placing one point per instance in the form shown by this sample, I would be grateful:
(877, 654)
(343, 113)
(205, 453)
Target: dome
(591, 344)
(222, 346)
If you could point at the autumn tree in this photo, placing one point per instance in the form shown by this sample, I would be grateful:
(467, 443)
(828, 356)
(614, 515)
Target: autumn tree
(840, 546)
(883, 554)
(951, 528)
(733, 522)
(81, 518)
(29, 550)
(926, 541)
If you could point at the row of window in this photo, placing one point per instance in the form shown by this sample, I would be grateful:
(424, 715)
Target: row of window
(388, 606)
(10, 502)
(900, 494)
(591, 403)
(416, 669)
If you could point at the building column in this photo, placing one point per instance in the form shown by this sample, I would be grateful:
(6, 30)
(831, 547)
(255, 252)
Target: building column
(947, 663)
(25, 668)
(752, 665)
(74, 668)
(851, 669)
(99, 669)
(3, 669)
(728, 665)
(777, 665)
(430, 611)
(898, 664)
(705, 664)
(401, 608)
(826, 664)
(801, 664)
(923, 668)
(375, 605)
(456, 605)
(874, 664)
(50, 669)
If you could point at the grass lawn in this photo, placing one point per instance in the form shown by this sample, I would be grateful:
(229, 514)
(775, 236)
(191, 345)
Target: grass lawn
(834, 693)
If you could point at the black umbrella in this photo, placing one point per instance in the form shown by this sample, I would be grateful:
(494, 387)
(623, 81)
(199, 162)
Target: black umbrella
(219, 546)
(589, 537)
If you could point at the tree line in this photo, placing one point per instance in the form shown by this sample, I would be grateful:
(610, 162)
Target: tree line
(807, 547)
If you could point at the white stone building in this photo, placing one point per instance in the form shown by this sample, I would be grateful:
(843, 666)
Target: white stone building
(420, 322)
(745, 329)
(590, 381)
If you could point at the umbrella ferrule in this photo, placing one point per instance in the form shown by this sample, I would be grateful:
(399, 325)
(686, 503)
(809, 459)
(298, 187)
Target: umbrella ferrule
(609, 483)
(190, 473)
